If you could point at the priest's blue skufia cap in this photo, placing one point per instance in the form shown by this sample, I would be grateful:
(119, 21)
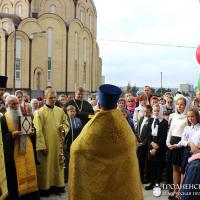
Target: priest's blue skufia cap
(109, 95)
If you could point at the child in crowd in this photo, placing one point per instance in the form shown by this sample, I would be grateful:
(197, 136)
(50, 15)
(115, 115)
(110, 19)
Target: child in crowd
(193, 126)
(75, 129)
(177, 125)
(143, 135)
(139, 111)
(157, 147)
(168, 108)
(154, 100)
(195, 103)
(162, 101)
(191, 182)
(129, 120)
(121, 103)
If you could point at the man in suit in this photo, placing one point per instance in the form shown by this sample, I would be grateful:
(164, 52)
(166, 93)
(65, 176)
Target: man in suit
(143, 135)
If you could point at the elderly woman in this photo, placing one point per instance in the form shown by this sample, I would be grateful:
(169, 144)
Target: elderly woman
(34, 105)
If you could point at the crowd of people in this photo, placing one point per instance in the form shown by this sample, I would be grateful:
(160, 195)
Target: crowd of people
(99, 145)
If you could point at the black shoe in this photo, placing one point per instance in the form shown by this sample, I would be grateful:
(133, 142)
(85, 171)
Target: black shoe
(44, 193)
(145, 181)
(57, 190)
(149, 187)
(172, 197)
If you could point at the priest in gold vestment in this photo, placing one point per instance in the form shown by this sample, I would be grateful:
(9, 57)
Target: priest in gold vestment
(20, 167)
(103, 161)
(3, 180)
(50, 122)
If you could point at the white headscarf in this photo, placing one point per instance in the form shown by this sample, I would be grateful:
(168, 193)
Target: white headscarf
(183, 114)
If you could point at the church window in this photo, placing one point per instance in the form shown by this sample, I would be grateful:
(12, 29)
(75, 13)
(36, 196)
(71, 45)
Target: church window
(90, 22)
(19, 9)
(82, 16)
(53, 8)
(85, 50)
(5, 9)
(76, 62)
(76, 46)
(18, 63)
(49, 56)
(85, 60)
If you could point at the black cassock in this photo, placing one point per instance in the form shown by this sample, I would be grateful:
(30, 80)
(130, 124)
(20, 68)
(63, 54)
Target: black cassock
(8, 145)
(191, 184)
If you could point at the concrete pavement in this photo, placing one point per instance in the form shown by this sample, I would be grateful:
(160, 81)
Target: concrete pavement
(148, 195)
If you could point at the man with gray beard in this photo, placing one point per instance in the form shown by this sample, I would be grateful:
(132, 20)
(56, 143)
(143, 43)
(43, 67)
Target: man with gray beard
(20, 166)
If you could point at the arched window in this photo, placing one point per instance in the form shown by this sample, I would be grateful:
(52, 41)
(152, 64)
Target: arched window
(85, 50)
(50, 32)
(53, 8)
(5, 26)
(19, 9)
(76, 46)
(85, 61)
(5, 9)
(82, 16)
(18, 63)
(90, 22)
(76, 61)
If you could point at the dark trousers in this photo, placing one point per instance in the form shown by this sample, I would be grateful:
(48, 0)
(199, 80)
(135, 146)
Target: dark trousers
(156, 171)
(142, 153)
(169, 168)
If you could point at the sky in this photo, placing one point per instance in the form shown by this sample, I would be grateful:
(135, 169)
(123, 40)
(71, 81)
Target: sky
(173, 22)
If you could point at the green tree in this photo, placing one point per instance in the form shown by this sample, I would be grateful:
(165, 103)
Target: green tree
(134, 90)
(129, 88)
(153, 90)
(162, 92)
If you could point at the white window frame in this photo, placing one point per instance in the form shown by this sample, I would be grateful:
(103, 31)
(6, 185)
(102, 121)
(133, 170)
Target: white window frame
(90, 22)
(18, 63)
(53, 8)
(49, 65)
(19, 9)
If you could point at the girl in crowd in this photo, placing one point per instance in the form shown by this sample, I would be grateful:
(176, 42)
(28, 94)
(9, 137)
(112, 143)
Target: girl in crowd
(157, 147)
(168, 108)
(177, 125)
(193, 126)
(192, 173)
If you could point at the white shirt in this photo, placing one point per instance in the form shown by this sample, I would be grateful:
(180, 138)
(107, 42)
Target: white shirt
(176, 128)
(187, 134)
(145, 121)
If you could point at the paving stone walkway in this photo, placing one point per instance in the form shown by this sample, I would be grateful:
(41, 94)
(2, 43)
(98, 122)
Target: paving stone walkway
(148, 195)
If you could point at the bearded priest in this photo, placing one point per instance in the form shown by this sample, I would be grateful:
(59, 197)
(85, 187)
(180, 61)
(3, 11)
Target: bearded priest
(20, 167)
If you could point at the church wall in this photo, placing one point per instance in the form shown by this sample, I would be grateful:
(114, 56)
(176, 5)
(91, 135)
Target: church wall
(19, 7)
(88, 9)
(58, 49)
(2, 52)
(73, 55)
(64, 8)
(82, 71)
(85, 81)
(24, 61)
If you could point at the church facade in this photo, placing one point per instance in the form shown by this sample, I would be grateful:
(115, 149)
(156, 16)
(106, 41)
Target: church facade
(49, 43)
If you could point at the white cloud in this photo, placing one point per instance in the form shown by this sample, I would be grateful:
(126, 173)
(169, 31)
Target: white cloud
(154, 21)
